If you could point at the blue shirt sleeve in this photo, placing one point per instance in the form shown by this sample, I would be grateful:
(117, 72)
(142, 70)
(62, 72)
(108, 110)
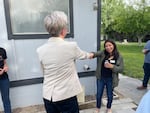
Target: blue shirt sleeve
(147, 46)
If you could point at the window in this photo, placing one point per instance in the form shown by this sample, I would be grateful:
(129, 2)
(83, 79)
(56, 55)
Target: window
(25, 17)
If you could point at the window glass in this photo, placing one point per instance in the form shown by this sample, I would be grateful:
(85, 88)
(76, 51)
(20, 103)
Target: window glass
(27, 15)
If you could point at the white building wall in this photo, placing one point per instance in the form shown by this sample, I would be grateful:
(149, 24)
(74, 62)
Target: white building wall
(23, 62)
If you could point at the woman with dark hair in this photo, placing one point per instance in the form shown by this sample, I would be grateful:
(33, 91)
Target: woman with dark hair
(109, 65)
(4, 81)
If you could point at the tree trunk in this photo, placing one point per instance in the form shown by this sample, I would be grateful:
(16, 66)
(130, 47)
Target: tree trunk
(140, 41)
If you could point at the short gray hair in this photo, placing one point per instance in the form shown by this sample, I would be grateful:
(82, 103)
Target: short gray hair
(55, 22)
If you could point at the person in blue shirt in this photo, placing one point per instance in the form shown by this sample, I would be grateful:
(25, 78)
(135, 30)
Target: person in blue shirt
(146, 66)
(143, 106)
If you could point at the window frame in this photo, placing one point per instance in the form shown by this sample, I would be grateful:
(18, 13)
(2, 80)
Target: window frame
(34, 36)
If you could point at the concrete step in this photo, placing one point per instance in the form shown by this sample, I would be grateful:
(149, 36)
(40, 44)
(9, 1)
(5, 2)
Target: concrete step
(118, 104)
(124, 106)
(123, 103)
(103, 110)
(124, 111)
(118, 101)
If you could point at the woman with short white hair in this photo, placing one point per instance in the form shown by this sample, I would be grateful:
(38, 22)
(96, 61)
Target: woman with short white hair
(61, 83)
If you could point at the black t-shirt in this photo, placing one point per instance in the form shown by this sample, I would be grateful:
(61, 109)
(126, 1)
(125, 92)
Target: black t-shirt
(106, 72)
(3, 56)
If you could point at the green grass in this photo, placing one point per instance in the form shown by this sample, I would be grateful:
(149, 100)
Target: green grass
(133, 59)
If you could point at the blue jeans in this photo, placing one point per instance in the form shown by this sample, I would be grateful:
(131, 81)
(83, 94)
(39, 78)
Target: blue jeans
(69, 105)
(4, 88)
(146, 68)
(100, 88)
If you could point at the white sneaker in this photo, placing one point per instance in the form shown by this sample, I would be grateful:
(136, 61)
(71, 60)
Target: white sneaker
(108, 111)
(96, 111)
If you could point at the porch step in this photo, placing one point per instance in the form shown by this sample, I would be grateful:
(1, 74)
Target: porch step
(124, 103)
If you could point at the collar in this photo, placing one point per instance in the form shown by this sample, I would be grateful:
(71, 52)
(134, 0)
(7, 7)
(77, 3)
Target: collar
(55, 39)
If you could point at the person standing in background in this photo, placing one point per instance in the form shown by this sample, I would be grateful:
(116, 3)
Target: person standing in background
(146, 66)
(4, 81)
(143, 106)
(109, 65)
(57, 57)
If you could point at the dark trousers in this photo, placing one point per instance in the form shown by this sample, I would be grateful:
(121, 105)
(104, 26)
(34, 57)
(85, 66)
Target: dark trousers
(4, 88)
(69, 105)
(100, 88)
(146, 68)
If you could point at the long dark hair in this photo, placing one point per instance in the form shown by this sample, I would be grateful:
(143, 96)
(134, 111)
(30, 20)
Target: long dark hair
(115, 52)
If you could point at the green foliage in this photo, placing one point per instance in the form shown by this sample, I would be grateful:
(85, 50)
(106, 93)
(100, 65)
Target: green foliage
(107, 10)
(129, 20)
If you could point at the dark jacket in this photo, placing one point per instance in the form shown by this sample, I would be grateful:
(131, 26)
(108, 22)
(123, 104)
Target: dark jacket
(118, 67)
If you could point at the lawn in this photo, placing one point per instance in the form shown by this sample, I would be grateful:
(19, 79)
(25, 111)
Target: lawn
(133, 59)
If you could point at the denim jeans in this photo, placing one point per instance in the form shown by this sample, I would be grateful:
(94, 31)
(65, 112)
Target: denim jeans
(100, 88)
(146, 68)
(4, 88)
(69, 105)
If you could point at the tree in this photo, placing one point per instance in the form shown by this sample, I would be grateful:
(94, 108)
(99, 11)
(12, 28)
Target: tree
(130, 20)
(141, 20)
(107, 10)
